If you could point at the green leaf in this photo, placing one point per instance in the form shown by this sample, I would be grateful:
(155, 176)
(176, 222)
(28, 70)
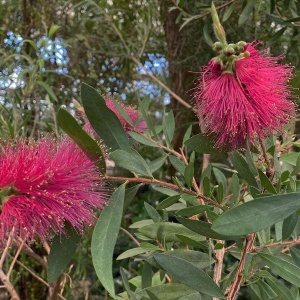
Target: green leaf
(146, 275)
(290, 158)
(105, 236)
(265, 290)
(189, 174)
(250, 161)
(169, 127)
(258, 214)
(168, 202)
(206, 186)
(201, 144)
(282, 267)
(266, 182)
(295, 255)
(206, 34)
(132, 161)
(247, 10)
(61, 252)
(192, 210)
(170, 291)
(103, 120)
(228, 11)
(289, 225)
(142, 140)
(241, 166)
(192, 242)
(126, 285)
(157, 163)
(188, 274)
(220, 178)
(48, 89)
(154, 215)
(130, 194)
(89, 146)
(52, 30)
(279, 288)
(131, 252)
(167, 231)
(198, 259)
(177, 164)
(187, 134)
(235, 188)
(204, 228)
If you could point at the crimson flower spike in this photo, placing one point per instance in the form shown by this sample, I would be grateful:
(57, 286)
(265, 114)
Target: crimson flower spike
(242, 94)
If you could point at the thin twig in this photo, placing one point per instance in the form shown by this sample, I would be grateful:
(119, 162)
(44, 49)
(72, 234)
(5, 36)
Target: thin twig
(238, 279)
(28, 251)
(162, 146)
(15, 258)
(38, 278)
(219, 256)
(270, 169)
(288, 243)
(13, 293)
(154, 78)
(131, 236)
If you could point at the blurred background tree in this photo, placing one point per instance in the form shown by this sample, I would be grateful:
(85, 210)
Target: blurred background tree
(128, 49)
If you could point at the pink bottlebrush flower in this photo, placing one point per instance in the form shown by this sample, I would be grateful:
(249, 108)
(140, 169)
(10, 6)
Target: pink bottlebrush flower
(244, 97)
(44, 184)
(133, 114)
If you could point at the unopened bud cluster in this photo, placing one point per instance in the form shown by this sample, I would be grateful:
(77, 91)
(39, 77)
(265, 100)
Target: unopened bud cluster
(229, 53)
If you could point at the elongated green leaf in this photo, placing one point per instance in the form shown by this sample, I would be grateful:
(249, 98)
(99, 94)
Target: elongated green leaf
(131, 252)
(228, 11)
(177, 164)
(186, 240)
(189, 174)
(132, 161)
(169, 127)
(199, 259)
(290, 158)
(168, 202)
(235, 188)
(126, 285)
(247, 10)
(266, 182)
(48, 89)
(283, 267)
(201, 144)
(295, 255)
(265, 290)
(220, 178)
(142, 140)
(157, 163)
(241, 166)
(130, 194)
(289, 225)
(103, 120)
(279, 288)
(172, 291)
(81, 138)
(152, 212)
(188, 274)
(192, 210)
(166, 232)
(257, 214)
(104, 238)
(61, 252)
(204, 228)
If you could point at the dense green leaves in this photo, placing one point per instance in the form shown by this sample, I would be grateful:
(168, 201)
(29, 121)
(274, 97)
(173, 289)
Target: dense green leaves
(188, 274)
(104, 238)
(283, 267)
(257, 214)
